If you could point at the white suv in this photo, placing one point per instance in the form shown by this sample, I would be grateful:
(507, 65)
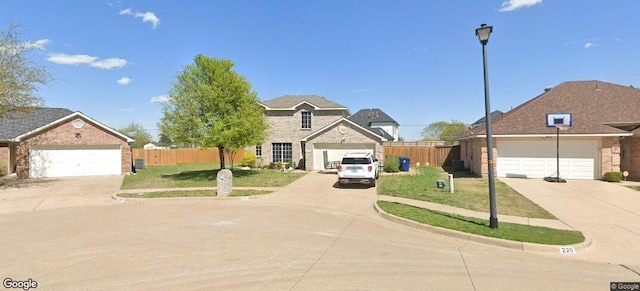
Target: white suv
(358, 168)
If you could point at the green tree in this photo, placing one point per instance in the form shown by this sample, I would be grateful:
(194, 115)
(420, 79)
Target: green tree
(211, 105)
(164, 139)
(446, 131)
(137, 132)
(20, 77)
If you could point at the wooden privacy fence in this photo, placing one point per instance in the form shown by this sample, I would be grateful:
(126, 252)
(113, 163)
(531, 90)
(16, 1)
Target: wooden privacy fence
(436, 156)
(170, 157)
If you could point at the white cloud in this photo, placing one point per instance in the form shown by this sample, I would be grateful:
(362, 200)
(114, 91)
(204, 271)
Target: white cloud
(160, 99)
(511, 5)
(146, 16)
(124, 81)
(590, 44)
(109, 63)
(149, 17)
(64, 59)
(38, 44)
(127, 11)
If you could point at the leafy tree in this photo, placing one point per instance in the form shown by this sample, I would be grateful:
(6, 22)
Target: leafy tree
(211, 105)
(19, 76)
(444, 130)
(137, 132)
(164, 139)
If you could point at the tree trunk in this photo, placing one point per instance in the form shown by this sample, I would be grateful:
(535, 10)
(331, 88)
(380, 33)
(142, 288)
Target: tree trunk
(221, 154)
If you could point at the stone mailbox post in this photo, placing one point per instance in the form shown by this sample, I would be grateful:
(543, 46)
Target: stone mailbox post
(225, 182)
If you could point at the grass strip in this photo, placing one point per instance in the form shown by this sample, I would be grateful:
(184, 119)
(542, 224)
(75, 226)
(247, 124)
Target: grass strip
(470, 192)
(509, 231)
(193, 193)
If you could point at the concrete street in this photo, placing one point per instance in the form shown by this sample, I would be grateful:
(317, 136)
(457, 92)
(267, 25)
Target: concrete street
(308, 235)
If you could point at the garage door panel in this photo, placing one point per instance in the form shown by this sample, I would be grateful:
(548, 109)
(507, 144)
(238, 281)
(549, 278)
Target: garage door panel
(335, 152)
(70, 162)
(537, 159)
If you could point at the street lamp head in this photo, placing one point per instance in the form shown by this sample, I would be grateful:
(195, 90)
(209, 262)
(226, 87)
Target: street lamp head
(483, 33)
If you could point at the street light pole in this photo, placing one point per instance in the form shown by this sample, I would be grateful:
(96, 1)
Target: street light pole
(483, 33)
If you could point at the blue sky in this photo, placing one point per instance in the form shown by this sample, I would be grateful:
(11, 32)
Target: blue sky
(419, 61)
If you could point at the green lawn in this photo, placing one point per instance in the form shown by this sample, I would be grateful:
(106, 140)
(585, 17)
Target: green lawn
(193, 193)
(510, 231)
(204, 175)
(470, 193)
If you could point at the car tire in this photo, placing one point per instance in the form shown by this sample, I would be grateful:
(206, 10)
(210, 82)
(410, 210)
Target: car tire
(373, 183)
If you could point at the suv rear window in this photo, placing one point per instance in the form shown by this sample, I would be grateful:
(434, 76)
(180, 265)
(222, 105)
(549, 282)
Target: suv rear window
(355, 161)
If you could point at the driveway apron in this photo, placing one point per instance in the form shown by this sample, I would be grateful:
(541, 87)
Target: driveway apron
(608, 213)
(40, 194)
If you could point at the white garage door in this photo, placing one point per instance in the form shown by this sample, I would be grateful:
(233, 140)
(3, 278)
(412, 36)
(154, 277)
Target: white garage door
(47, 161)
(335, 152)
(537, 159)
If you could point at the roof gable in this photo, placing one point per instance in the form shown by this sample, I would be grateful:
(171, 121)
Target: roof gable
(22, 124)
(338, 121)
(291, 102)
(593, 105)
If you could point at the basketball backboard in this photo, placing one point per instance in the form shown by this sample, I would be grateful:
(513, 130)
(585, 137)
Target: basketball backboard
(558, 119)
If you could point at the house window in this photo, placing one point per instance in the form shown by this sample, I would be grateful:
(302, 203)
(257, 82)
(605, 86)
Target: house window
(281, 152)
(259, 150)
(306, 120)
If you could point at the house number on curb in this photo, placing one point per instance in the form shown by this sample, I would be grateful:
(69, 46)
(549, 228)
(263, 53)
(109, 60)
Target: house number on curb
(568, 251)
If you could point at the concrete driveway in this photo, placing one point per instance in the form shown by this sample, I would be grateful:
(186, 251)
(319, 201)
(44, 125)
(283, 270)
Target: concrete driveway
(608, 213)
(39, 194)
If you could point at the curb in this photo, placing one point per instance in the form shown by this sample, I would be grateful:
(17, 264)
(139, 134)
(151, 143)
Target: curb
(124, 200)
(515, 245)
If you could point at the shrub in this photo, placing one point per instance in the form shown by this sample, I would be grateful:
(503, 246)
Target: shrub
(249, 159)
(613, 176)
(391, 164)
(3, 168)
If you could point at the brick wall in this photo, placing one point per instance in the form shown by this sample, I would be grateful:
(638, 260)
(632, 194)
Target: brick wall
(66, 134)
(285, 127)
(610, 155)
(353, 135)
(630, 156)
(473, 152)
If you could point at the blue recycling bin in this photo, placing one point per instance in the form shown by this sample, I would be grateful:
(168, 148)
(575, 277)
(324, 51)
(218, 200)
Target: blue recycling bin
(405, 164)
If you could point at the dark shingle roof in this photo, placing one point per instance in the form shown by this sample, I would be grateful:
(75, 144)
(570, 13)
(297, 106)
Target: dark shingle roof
(364, 117)
(14, 124)
(289, 101)
(494, 117)
(593, 104)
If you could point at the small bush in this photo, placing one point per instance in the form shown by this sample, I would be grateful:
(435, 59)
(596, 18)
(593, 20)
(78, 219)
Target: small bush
(391, 164)
(3, 168)
(613, 176)
(249, 159)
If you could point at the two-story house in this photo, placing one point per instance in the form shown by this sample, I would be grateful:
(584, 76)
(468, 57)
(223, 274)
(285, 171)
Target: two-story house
(313, 132)
(378, 121)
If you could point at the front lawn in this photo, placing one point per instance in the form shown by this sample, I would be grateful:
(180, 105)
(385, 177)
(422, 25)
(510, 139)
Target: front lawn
(510, 231)
(204, 175)
(470, 193)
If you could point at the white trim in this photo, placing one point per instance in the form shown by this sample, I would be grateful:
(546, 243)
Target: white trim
(315, 107)
(547, 135)
(69, 117)
(306, 138)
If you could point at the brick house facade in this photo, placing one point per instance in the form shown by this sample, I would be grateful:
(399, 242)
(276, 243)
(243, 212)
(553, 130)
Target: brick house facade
(60, 129)
(297, 123)
(604, 135)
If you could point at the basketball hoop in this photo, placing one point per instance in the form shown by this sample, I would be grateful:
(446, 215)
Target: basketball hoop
(562, 127)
